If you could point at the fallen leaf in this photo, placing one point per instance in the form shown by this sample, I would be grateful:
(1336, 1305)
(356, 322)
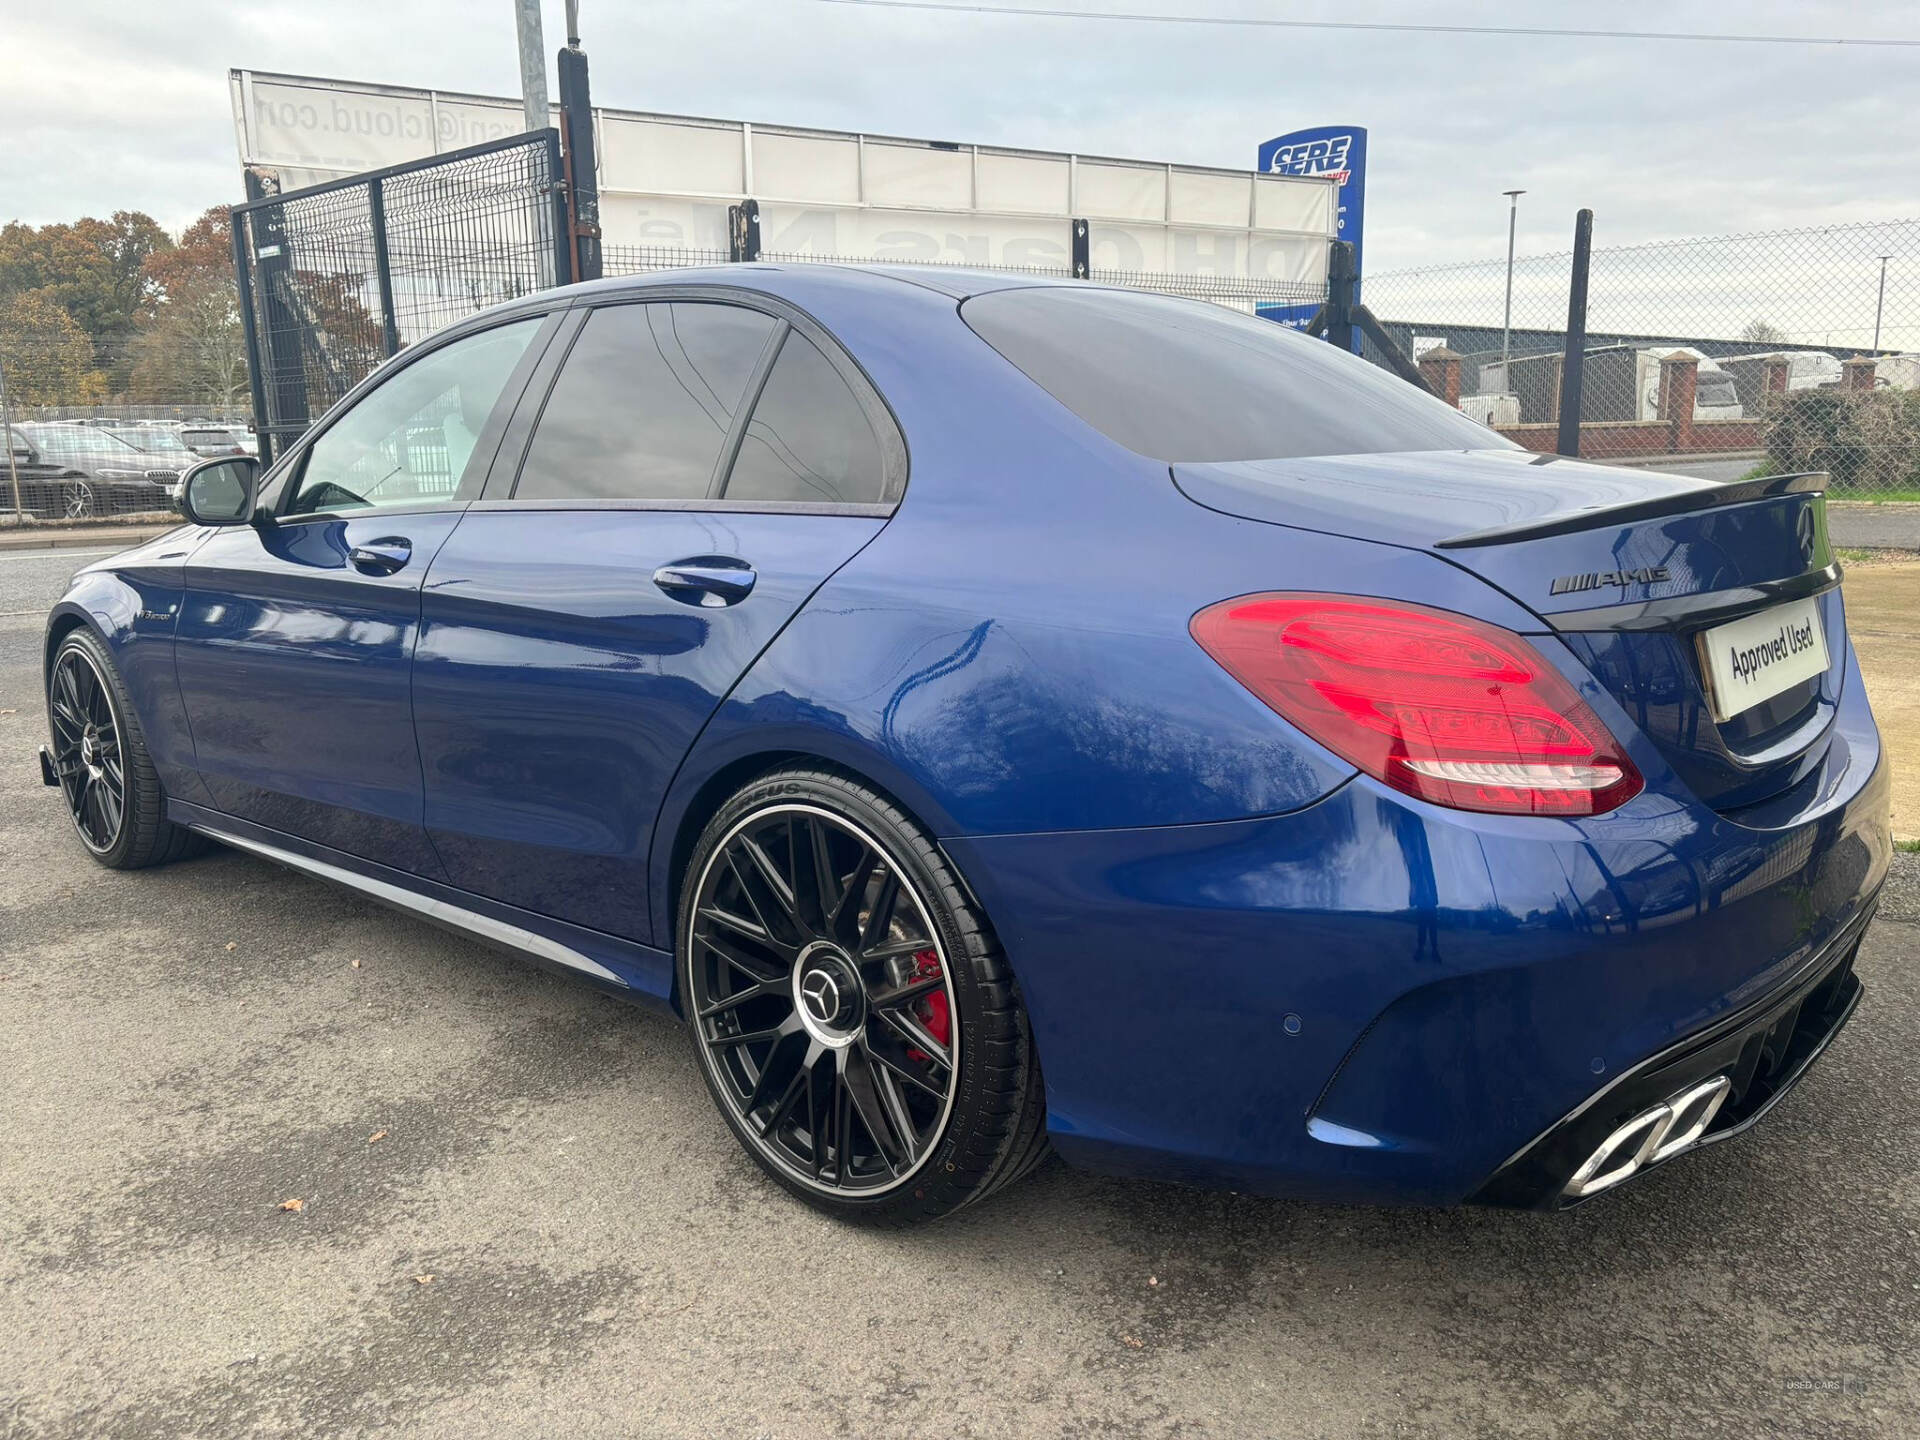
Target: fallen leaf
(376, 1135)
(1132, 1344)
(293, 1204)
(423, 1279)
(233, 945)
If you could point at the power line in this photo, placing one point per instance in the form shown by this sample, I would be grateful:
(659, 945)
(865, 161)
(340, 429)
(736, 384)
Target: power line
(1040, 13)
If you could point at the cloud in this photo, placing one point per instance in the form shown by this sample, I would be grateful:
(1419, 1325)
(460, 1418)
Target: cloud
(109, 105)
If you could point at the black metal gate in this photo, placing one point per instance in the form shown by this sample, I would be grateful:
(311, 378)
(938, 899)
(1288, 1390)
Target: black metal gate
(336, 277)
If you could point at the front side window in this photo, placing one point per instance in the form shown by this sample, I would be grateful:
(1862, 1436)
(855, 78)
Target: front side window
(809, 439)
(408, 441)
(645, 403)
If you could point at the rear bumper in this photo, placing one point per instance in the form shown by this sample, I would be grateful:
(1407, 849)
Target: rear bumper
(1763, 1051)
(1374, 1000)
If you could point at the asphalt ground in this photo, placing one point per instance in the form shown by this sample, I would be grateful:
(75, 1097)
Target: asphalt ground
(185, 1049)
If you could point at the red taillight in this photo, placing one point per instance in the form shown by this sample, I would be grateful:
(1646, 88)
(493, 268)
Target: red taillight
(1443, 707)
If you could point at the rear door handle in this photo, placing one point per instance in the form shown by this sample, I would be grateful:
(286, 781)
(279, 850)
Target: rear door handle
(709, 580)
(382, 556)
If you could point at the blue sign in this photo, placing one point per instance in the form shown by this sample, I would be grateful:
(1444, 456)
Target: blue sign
(1334, 152)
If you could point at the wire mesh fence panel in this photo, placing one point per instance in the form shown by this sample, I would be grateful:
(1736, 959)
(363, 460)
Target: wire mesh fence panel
(340, 276)
(1245, 293)
(1788, 350)
(317, 313)
(1250, 294)
(646, 259)
(463, 236)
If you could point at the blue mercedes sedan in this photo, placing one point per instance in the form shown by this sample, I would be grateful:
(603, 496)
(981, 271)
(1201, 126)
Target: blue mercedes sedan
(1004, 717)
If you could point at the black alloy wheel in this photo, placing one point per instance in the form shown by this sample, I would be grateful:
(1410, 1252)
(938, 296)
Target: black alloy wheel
(837, 992)
(86, 750)
(100, 761)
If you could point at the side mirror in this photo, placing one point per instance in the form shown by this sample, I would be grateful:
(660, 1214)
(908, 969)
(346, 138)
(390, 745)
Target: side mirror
(219, 492)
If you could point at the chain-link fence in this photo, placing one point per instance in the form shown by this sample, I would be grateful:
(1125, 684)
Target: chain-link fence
(1790, 350)
(102, 429)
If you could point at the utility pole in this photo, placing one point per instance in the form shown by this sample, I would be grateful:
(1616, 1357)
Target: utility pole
(1881, 303)
(1506, 325)
(533, 63)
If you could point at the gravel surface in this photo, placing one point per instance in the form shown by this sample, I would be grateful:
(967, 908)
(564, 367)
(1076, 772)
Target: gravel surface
(554, 1234)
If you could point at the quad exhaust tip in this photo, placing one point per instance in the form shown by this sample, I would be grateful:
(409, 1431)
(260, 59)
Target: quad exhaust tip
(1660, 1133)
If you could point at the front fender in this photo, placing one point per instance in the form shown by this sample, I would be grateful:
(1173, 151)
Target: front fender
(132, 603)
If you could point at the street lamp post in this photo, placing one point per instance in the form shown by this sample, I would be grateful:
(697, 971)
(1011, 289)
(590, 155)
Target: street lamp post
(1506, 325)
(1880, 303)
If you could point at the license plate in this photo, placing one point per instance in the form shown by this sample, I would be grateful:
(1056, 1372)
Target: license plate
(1757, 657)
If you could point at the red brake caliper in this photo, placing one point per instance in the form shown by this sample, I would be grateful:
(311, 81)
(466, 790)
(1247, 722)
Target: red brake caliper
(931, 1009)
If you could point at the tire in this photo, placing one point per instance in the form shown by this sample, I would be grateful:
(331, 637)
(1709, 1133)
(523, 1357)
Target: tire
(107, 780)
(77, 500)
(915, 1030)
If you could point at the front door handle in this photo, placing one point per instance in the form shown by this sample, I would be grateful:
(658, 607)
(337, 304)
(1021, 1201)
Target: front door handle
(382, 556)
(709, 580)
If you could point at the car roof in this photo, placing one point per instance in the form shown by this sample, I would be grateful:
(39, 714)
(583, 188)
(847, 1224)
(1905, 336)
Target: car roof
(782, 280)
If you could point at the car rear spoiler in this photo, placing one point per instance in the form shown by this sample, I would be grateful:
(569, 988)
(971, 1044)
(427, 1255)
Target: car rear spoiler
(1709, 496)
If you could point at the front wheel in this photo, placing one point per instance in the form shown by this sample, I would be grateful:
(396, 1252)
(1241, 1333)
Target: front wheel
(100, 759)
(854, 1017)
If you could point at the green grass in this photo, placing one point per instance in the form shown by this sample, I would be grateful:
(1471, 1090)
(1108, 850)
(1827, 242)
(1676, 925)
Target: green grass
(1912, 847)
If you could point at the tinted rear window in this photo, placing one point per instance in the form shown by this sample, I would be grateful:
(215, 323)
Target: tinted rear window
(1184, 380)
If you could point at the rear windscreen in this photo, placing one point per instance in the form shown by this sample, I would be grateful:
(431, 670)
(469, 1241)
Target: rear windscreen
(1184, 380)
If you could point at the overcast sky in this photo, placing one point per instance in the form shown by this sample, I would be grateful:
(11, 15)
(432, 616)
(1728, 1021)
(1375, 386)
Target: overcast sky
(111, 104)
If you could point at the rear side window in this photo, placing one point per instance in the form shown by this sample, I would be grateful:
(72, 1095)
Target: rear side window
(644, 403)
(1182, 380)
(809, 439)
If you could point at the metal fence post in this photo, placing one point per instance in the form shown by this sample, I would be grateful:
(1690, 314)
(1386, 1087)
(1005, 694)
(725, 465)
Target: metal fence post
(382, 267)
(743, 230)
(1340, 281)
(1082, 249)
(583, 186)
(1573, 362)
(6, 431)
(562, 226)
(237, 224)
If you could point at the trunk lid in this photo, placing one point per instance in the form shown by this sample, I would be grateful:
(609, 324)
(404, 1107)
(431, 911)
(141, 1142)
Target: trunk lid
(1635, 570)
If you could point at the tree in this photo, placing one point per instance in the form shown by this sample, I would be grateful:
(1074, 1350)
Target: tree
(47, 357)
(95, 270)
(1763, 332)
(190, 349)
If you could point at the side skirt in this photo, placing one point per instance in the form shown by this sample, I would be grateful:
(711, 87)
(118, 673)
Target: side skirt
(623, 967)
